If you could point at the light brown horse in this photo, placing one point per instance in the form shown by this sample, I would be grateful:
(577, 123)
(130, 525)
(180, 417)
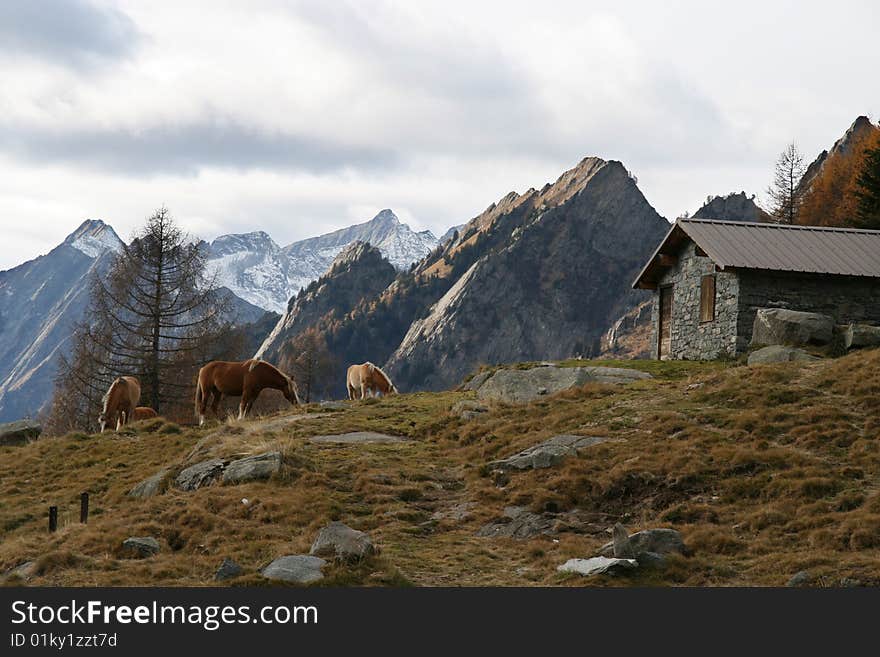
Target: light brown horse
(143, 413)
(245, 379)
(120, 401)
(366, 378)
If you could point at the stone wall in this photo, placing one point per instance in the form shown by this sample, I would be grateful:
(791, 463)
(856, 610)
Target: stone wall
(845, 298)
(691, 338)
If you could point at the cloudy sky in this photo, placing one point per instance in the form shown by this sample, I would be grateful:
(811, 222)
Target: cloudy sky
(301, 117)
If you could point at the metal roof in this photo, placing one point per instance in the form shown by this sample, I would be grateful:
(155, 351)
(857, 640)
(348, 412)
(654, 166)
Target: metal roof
(773, 247)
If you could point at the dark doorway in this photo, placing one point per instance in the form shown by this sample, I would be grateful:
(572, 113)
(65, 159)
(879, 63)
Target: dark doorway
(664, 345)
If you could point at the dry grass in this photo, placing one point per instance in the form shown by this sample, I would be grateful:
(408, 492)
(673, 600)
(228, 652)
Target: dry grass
(766, 471)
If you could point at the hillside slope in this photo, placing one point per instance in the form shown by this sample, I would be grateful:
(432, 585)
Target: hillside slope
(766, 471)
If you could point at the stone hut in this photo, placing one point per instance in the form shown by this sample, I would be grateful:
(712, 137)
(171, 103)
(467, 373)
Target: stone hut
(710, 278)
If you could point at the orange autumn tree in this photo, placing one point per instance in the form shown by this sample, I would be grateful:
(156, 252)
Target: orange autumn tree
(832, 198)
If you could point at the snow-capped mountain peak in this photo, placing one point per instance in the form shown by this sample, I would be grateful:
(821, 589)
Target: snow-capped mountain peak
(256, 269)
(94, 237)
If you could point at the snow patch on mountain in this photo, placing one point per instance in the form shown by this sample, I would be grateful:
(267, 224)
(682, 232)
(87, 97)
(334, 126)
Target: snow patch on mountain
(94, 237)
(256, 269)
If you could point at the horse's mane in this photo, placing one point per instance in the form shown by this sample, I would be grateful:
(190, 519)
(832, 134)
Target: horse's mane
(258, 361)
(106, 398)
(384, 376)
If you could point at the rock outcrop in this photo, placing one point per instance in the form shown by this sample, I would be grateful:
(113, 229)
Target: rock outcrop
(777, 353)
(791, 327)
(252, 468)
(546, 454)
(296, 569)
(140, 547)
(339, 541)
(733, 207)
(20, 432)
(520, 386)
(859, 336)
(597, 566)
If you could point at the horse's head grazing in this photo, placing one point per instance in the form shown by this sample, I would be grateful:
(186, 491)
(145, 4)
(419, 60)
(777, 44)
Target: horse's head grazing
(290, 392)
(102, 421)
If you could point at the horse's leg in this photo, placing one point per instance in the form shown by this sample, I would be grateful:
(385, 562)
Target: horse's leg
(351, 391)
(202, 398)
(215, 404)
(244, 404)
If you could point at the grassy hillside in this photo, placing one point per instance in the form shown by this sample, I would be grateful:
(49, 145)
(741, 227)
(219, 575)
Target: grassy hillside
(766, 471)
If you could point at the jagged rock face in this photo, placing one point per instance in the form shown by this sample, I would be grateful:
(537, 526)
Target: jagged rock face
(860, 128)
(358, 272)
(630, 335)
(733, 207)
(551, 273)
(40, 302)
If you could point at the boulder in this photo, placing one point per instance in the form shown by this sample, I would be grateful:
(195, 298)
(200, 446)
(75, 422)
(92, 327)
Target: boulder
(23, 572)
(791, 327)
(228, 569)
(800, 578)
(621, 546)
(152, 486)
(597, 566)
(252, 468)
(199, 475)
(547, 454)
(777, 353)
(357, 438)
(857, 336)
(140, 547)
(297, 569)
(518, 522)
(468, 409)
(520, 386)
(341, 542)
(20, 432)
(661, 541)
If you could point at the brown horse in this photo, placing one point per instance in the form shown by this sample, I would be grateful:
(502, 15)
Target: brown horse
(120, 401)
(367, 378)
(245, 379)
(143, 413)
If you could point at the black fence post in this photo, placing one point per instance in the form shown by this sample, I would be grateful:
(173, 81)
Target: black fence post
(53, 518)
(84, 508)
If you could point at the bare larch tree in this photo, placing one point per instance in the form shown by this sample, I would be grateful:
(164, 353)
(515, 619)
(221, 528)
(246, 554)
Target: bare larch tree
(785, 193)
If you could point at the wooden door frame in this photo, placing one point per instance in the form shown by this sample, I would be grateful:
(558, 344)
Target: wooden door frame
(661, 291)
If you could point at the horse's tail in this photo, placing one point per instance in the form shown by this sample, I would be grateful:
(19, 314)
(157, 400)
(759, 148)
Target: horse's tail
(199, 395)
(254, 363)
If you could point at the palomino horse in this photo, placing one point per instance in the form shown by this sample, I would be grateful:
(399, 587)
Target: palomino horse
(365, 378)
(143, 413)
(245, 379)
(119, 402)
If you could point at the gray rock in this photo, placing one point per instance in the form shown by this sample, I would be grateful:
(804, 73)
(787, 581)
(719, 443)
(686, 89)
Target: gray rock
(778, 353)
(518, 523)
(152, 486)
(791, 327)
(661, 541)
(199, 475)
(520, 386)
(357, 438)
(20, 432)
(468, 409)
(800, 578)
(477, 380)
(228, 569)
(341, 542)
(620, 544)
(252, 468)
(857, 336)
(23, 571)
(297, 568)
(597, 566)
(332, 405)
(651, 560)
(140, 547)
(547, 454)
